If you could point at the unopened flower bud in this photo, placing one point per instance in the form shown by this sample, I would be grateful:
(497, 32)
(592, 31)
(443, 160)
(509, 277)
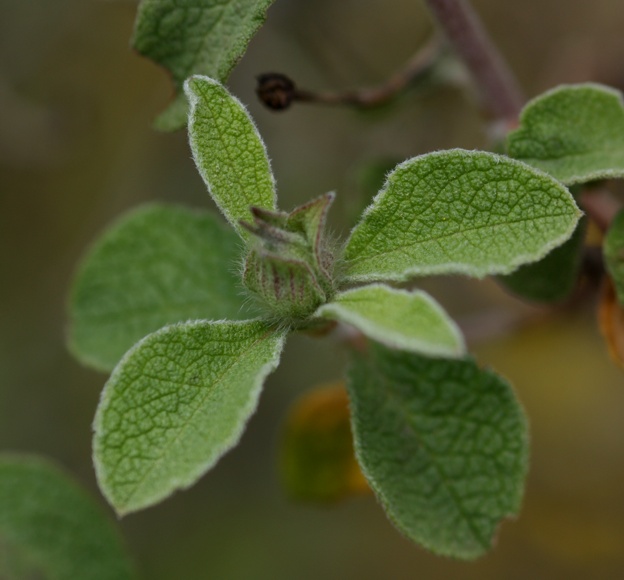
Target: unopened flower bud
(288, 287)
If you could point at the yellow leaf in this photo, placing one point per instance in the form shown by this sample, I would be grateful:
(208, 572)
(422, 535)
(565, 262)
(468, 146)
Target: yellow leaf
(317, 459)
(611, 320)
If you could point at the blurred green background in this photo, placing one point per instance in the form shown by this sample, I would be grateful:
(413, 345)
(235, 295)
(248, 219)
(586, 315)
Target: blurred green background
(77, 149)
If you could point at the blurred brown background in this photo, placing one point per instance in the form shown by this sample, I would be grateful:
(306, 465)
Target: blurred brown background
(76, 149)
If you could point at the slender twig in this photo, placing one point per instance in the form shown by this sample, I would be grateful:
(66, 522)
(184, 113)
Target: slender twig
(278, 92)
(494, 79)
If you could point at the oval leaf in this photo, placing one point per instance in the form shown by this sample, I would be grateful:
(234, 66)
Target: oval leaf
(228, 151)
(613, 250)
(195, 37)
(51, 528)
(175, 404)
(575, 133)
(412, 321)
(464, 212)
(157, 265)
(442, 443)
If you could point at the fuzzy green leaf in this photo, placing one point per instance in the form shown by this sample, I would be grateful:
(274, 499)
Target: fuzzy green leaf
(157, 265)
(554, 277)
(613, 249)
(465, 212)
(442, 443)
(575, 133)
(175, 404)
(50, 527)
(190, 37)
(228, 151)
(310, 219)
(411, 321)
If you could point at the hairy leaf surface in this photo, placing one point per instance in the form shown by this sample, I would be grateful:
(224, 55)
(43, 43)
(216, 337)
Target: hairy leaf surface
(175, 404)
(411, 321)
(573, 132)
(51, 528)
(228, 151)
(442, 443)
(190, 37)
(465, 212)
(157, 265)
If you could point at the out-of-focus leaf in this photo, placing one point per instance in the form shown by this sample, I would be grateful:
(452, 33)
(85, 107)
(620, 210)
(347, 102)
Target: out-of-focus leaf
(190, 37)
(463, 212)
(554, 277)
(156, 266)
(613, 249)
(573, 132)
(175, 404)
(443, 445)
(52, 529)
(611, 320)
(317, 460)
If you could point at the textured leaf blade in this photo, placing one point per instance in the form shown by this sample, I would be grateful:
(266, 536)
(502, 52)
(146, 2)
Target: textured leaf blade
(573, 132)
(175, 404)
(411, 321)
(613, 250)
(310, 220)
(442, 443)
(554, 277)
(317, 459)
(190, 37)
(56, 529)
(156, 266)
(465, 212)
(228, 151)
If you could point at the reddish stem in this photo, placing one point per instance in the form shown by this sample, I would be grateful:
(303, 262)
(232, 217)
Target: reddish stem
(464, 30)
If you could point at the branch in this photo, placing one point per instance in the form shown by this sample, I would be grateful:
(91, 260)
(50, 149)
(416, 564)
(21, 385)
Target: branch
(489, 70)
(278, 92)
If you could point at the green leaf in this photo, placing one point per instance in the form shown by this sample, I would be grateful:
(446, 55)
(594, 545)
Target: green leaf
(175, 404)
(442, 443)
(310, 220)
(52, 528)
(465, 212)
(228, 151)
(554, 277)
(157, 265)
(613, 249)
(195, 37)
(412, 321)
(575, 133)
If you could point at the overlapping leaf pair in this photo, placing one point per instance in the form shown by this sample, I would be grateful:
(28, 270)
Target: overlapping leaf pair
(442, 443)
(576, 133)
